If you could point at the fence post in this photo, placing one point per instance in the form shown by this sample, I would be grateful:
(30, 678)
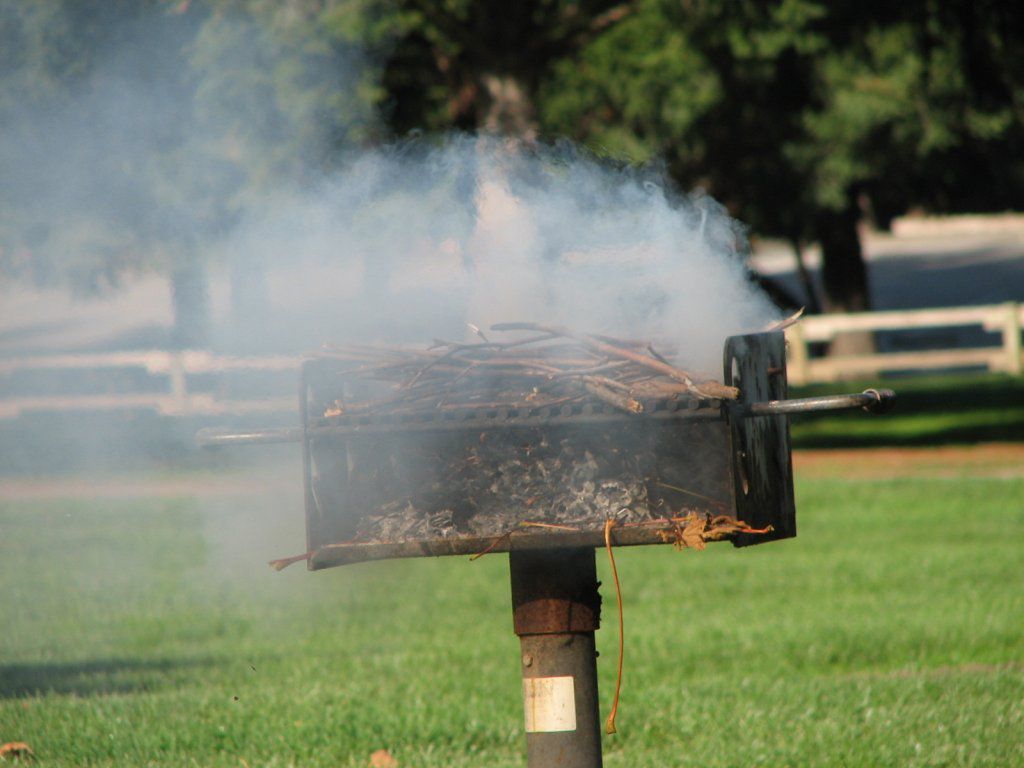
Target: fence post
(178, 381)
(1011, 338)
(798, 364)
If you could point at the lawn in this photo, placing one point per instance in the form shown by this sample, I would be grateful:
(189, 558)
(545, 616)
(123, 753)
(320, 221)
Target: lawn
(930, 410)
(152, 633)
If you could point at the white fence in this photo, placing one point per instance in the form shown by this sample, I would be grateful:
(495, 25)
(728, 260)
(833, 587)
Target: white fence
(173, 367)
(177, 397)
(1005, 319)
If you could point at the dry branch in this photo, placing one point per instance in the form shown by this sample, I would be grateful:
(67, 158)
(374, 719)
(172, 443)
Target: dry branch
(551, 365)
(599, 344)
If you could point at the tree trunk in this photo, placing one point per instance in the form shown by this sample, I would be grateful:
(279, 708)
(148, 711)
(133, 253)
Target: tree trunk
(813, 305)
(191, 302)
(844, 274)
(509, 107)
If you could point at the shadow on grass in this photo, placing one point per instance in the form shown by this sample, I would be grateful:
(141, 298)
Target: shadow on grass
(933, 410)
(94, 677)
(1009, 432)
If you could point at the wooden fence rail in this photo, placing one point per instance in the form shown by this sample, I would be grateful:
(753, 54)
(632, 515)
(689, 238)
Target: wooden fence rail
(178, 398)
(1005, 319)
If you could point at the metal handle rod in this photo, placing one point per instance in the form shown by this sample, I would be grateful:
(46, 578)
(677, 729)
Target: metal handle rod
(210, 437)
(871, 400)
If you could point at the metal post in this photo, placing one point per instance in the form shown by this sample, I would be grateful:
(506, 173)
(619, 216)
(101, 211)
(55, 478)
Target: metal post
(556, 609)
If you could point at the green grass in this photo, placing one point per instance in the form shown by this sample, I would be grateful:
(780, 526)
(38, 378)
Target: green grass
(931, 410)
(151, 633)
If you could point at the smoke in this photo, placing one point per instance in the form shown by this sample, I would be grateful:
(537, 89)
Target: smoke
(190, 141)
(175, 139)
(415, 241)
(134, 135)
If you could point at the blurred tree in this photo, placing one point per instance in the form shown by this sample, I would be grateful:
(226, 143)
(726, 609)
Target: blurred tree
(45, 50)
(136, 132)
(281, 88)
(469, 65)
(804, 115)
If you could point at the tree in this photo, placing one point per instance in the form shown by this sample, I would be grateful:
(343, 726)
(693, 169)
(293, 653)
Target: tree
(470, 65)
(138, 127)
(282, 88)
(803, 115)
(135, 134)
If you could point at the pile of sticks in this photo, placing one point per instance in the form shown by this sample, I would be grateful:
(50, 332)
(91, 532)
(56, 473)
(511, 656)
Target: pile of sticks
(542, 366)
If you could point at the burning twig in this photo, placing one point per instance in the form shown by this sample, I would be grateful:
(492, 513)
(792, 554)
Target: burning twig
(550, 364)
(284, 562)
(599, 344)
(605, 393)
(785, 322)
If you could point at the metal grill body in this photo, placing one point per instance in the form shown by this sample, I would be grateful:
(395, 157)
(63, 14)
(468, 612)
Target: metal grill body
(703, 456)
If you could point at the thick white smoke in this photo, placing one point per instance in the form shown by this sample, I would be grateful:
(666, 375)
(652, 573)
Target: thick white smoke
(412, 242)
(170, 154)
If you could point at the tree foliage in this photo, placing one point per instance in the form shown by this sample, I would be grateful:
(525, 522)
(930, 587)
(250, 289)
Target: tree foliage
(801, 114)
(135, 132)
(480, 65)
(133, 129)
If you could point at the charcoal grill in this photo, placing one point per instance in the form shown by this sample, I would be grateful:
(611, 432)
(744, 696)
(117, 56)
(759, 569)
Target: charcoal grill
(703, 458)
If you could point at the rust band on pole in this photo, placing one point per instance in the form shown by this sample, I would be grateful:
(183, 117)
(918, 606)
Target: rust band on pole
(556, 609)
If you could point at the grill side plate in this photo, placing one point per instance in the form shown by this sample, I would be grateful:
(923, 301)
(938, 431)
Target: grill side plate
(761, 453)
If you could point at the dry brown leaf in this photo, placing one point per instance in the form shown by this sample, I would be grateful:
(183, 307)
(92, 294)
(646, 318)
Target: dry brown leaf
(383, 759)
(693, 532)
(16, 750)
(722, 527)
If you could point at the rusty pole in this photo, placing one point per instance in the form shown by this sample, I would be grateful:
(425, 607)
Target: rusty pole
(556, 609)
